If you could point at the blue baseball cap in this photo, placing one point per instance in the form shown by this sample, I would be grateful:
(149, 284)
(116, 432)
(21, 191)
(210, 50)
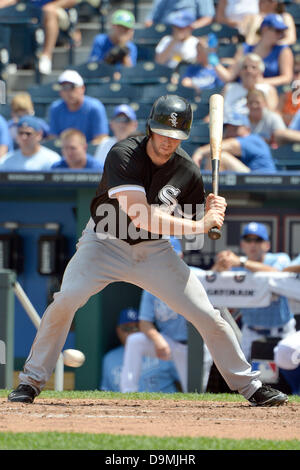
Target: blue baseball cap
(182, 18)
(125, 109)
(30, 121)
(128, 315)
(237, 119)
(274, 21)
(257, 229)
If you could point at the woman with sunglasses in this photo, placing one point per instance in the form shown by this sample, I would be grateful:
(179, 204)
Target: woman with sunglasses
(268, 7)
(278, 58)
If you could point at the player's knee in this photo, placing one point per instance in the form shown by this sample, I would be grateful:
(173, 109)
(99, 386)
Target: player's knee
(69, 300)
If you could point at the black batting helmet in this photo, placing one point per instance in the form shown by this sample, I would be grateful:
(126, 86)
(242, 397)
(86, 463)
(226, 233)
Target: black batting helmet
(171, 116)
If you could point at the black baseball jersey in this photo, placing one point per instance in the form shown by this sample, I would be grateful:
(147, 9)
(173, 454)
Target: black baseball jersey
(177, 185)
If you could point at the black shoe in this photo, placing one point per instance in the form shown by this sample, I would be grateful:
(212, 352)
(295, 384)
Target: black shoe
(23, 393)
(267, 396)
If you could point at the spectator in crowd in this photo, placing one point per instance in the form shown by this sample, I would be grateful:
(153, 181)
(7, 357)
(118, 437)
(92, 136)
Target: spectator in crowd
(251, 70)
(22, 105)
(201, 75)
(181, 45)
(291, 134)
(163, 334)
(289, 101)
(122, 124)
(55, 18)
(263, 121)
(267, 7)
(74, 151)
(278, 58)
(156, 375)
(6, 144)
(287, 358)
(75, 110)
(162, 11)
(116, 47)
(31, 155)
(235, 13)
(242, 151)
(276, 319)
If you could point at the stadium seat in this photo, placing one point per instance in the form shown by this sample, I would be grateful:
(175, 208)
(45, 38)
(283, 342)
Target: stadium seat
(24, 21)
(146, 73)
(200, 111)
(287, 157)
(42, 96)
(95, 72)
(53, 144)
(222, 31)
(294, 10)
(189, 147)
(149, 93)
(206, 94)
(114, 93)
(200, 133)
(226, 50)
(152, 35)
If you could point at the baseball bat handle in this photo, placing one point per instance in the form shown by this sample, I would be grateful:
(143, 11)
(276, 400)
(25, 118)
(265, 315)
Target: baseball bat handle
(215, 233)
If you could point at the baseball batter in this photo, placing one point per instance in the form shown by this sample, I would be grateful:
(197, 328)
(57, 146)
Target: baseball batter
(145, 180)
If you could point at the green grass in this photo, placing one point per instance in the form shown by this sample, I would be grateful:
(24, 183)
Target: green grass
(71, 441)
(84, 441)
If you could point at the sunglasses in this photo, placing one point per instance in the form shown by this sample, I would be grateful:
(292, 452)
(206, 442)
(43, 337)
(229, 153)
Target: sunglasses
(124, 119)
(253, 240)
(128, 328)
(28, 134)
(67, 86)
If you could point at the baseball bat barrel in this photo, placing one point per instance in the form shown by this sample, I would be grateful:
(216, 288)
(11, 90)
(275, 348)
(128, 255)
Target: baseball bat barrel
(216, 106)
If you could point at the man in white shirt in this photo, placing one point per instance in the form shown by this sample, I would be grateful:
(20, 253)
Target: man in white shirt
(31, 155)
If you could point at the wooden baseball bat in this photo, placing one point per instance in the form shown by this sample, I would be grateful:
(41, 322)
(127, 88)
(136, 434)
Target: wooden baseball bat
(216, 106)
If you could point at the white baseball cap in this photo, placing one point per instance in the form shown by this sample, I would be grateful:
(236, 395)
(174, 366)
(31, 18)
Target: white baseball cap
(71, 76)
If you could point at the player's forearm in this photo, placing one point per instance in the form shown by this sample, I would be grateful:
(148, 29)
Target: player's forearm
(149, 330)
(256, 266)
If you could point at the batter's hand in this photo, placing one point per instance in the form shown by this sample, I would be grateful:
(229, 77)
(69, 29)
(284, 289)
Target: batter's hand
(215, 208)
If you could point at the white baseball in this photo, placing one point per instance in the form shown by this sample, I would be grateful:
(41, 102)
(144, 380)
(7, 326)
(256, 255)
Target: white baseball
(73, 357)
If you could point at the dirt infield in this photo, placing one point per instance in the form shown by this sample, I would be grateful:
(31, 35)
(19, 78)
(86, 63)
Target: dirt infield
(152, 418)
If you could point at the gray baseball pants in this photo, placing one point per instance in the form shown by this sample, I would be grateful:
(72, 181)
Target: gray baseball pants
(153, 266)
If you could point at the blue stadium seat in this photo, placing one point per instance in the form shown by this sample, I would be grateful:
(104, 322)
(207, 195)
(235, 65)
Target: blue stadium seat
(5, 33)
(95, 72)
(287, 157)
(24, 21)
(149, 93)
(114, 93)
(206, 94)
(189, 147)
(200, 111)
(146, 73)
(152, 35)
(42, 96)
(222, 31)
(294, 10)
(200, 133)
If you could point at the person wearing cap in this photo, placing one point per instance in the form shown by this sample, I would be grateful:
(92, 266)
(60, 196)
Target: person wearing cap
(76, 110)
(267, 7)
(242, 151)
(156, 375)
(31, 155)
(162, 11)
(276, 319)
(123, 123)
(181, 45)
(278, 58)
(6, 142)
(116, 47)
(74, 152)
